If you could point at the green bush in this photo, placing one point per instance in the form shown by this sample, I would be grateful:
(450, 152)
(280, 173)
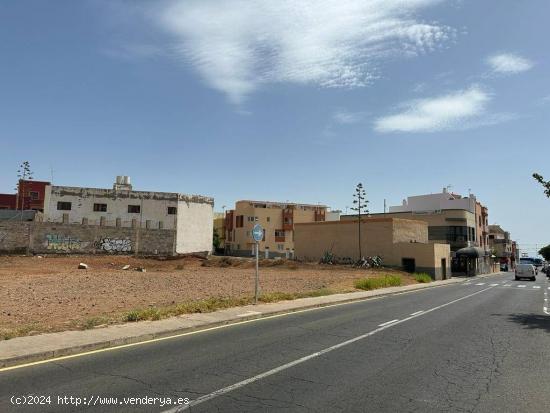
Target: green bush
(422, 277)
(378, 282)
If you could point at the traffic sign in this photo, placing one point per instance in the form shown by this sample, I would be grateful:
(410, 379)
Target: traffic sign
(257, 233)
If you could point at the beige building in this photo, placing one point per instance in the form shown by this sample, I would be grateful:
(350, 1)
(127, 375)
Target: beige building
(401, 243)
(219, 228)
(278, 220)
(460, 221)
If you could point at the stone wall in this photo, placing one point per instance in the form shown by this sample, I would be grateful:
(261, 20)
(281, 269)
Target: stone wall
(55, 238)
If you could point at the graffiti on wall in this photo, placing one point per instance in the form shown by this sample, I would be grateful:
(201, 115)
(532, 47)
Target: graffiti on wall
(63, 243)
(115, 244)
(3, 235)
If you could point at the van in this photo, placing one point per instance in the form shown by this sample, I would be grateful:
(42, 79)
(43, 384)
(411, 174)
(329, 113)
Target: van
(525, 271)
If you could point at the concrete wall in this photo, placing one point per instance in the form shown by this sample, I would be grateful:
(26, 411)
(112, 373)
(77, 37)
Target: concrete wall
(195, 226)
(378, 236)
(427, 258)
(55, 238)
(391, 239)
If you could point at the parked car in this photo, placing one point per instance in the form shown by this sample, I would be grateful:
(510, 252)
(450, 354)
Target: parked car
(526, 271)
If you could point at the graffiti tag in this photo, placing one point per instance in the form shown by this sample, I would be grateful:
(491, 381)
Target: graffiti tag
(58, 242)
(115, 244)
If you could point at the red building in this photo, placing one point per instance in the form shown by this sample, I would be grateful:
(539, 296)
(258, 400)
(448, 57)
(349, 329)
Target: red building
(30, 195)
(8, 201)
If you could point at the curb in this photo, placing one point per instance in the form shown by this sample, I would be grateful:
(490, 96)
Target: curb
(73, 351)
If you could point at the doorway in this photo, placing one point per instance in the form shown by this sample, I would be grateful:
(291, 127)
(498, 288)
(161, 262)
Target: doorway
(443, 268)
(409, 264)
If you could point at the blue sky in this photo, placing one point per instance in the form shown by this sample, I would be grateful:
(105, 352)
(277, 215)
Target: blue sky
(284, 100)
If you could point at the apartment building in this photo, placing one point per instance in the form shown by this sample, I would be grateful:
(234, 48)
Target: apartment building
(277, 219)
(501, 245)
(191, 216)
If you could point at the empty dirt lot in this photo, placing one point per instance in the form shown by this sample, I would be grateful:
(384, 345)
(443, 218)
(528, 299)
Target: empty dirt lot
(50, 294)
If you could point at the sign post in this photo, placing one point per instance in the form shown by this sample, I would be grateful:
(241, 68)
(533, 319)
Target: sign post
(258, 235)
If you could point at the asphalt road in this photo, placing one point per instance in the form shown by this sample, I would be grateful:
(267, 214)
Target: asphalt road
(478, 346)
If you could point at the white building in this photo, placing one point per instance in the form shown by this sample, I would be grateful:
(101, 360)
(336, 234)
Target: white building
(436, 202)
(191, 216)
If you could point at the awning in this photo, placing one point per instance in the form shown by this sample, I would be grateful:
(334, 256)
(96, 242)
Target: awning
(471, 252)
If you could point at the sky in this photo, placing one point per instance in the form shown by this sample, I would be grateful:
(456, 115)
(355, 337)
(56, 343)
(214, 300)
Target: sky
(284, 101)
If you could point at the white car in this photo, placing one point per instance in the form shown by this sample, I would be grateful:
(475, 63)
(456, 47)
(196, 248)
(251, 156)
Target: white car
(526, 271)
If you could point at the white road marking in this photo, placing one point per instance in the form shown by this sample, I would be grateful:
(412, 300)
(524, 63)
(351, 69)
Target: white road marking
(418, 312)
(545, 310)
(248, 313)
(507, 285)
(286, 366)
(494, 285)
(522, 286)
(536, 286)
(387, 323)
(480, 284)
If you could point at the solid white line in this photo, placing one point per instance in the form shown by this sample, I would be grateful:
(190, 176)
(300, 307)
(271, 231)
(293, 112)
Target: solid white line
(522, 286)
(480, 284)
(387, 322)
(286, 366)
(418, 312)
(494, 285)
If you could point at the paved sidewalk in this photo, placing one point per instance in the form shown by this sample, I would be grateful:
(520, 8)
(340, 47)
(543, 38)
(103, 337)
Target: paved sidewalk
(22, 350)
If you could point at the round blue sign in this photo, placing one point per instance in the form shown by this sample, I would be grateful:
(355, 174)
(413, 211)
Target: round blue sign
(257, 233)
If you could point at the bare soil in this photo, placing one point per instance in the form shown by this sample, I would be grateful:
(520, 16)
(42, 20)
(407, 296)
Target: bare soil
(44, 294)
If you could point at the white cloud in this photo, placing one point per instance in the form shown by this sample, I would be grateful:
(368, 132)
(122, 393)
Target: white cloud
(451, 111)
(239, 45)
(509, 63)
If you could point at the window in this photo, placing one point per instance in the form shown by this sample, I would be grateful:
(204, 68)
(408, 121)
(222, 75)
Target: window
(134, 209)
(34, 195)
(279, 233)
(172, 210)
(63, 206)
(281, 247)
(268, 219)
(239, 220)
(100, 207)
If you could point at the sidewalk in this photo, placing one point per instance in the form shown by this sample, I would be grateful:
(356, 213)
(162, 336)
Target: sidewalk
(22, 350)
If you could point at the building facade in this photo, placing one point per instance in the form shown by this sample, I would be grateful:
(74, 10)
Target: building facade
(30, 196)
(277, 219)
(452, 219)
(401, 243)
(191, 216)
(501, 245)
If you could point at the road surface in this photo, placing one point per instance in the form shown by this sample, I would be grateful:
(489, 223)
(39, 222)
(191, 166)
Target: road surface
(478, 346)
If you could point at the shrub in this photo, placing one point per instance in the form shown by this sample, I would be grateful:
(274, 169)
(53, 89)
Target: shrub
(378, 282)
(422, 277)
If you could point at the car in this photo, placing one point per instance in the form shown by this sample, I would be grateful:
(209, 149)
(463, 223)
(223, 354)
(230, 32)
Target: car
(526, 271)
(504, 267)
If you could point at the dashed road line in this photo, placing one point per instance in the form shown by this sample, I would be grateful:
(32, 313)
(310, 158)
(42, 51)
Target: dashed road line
(418, 312)
(243, 383)
(480, 284)
(522, 286)
(536, 286)
(387, 323)
(494, 285)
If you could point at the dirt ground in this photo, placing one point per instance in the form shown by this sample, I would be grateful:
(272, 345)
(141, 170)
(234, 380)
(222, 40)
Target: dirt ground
(50, 294)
